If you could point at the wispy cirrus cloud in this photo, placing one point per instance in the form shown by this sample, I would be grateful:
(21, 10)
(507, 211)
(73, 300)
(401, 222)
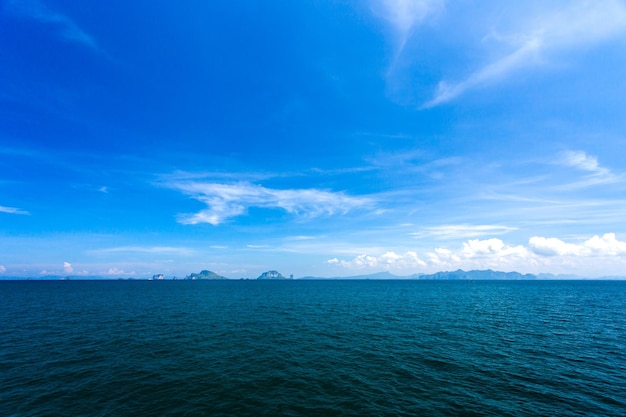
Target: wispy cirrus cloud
(157, 250)
(463, 231)
(226, 201)
(582, 160)
(404, 15)
(576, 24)
(492, 72)
(597, 174)
(13, 210)
(67, 28)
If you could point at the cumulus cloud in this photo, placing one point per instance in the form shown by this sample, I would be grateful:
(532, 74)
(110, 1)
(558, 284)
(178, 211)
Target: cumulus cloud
(474, 253)
(13, 210)
(3, 269)
(388, 260)
(479, 254)
(597, 246)
(580, 23)
(226, 201)
(67, 29)
(67, 268)
(491, 247)
(607, 245)
(552, 246)
(597, 255)
(117, 271)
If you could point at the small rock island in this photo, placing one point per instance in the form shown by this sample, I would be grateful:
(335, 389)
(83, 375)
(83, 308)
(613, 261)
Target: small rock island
(272, 275)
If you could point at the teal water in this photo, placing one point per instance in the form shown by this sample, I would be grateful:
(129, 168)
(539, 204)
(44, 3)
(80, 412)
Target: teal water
(299, 348)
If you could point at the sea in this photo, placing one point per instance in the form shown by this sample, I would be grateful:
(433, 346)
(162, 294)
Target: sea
(313, 348)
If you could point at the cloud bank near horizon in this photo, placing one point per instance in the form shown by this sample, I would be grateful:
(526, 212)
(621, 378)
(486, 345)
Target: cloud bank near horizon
(539, 255)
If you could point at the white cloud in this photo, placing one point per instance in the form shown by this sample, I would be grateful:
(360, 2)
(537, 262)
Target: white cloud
(163, 250)
(3, 269)
(552, 246)
(580, 23)
(403, 15)
(597, 174)
(597, 246)
(525, 55)
(607, 245)
(388, 260)
(13, 210)
(67, 28)
(118, 272)
(480, 254)
(67, 268)
(580, 160)
(491, 247)
(463, 231)
(583, 22)
(226, 201)
(301, 238)
(595, 256)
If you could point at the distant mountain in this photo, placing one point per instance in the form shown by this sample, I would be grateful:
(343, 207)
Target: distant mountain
(271, 275)
(452, 275)
(477, 275)
(275, 275)
(205, 275)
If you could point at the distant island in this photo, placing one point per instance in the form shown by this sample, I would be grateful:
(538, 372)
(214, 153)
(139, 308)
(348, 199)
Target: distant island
(458, 275)
(275, 275)
(477, 275)
(205, 274)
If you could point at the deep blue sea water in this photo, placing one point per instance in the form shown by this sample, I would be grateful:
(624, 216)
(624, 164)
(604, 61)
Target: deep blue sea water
(318, 348)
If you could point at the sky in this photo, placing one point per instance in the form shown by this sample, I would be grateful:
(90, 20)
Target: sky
(325, 138)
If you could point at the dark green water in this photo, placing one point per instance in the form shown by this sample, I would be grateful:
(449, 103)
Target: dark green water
(299, 348)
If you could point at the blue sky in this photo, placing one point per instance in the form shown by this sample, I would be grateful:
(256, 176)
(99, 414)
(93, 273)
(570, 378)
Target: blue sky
(327, 138)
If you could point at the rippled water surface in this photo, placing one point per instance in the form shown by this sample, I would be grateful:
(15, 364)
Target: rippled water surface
(332, 348)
